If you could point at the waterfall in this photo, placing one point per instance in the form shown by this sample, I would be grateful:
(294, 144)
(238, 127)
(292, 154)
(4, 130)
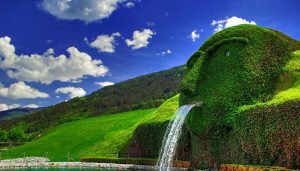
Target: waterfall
(171, 137)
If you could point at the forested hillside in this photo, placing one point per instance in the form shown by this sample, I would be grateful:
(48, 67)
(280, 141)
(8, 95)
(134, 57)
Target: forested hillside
(143, 92)
(17, 112)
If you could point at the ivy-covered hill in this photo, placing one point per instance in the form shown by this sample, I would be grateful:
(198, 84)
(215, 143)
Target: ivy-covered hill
(143, 92)
(248, 78)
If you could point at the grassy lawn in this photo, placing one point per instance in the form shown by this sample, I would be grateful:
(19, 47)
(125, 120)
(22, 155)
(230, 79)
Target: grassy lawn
(101, 136)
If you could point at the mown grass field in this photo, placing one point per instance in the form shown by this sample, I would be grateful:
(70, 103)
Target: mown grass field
(102, 136)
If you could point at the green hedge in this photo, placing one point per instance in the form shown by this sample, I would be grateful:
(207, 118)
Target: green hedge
(268, 135)
(263, 135)
(218, 44)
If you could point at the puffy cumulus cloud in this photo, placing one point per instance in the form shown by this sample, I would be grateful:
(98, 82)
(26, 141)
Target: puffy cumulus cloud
(105, 43)
(84, 10)
(194, 35)
(4, 107)
(140, 39)
(229, 22)
(32, 106)
(104, 83)
(20, 90)
(163, 53)
(46, 67)
(71, 91)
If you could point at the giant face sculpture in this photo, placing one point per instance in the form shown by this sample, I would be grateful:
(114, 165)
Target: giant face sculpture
(237, 66)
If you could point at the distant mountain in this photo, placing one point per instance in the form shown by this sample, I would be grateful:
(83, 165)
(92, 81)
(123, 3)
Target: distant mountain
(143, 92)
(17, 112)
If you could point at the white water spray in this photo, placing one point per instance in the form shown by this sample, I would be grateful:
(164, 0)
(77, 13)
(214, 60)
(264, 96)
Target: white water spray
(171, 137)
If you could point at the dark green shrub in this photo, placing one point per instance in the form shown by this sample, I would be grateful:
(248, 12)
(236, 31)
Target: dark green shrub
(17, 134)
(3, 135)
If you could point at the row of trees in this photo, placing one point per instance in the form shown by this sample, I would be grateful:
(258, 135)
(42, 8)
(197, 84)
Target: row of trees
(15, 134)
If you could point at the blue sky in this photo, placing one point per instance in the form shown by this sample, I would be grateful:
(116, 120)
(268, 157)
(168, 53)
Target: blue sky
(109, 41)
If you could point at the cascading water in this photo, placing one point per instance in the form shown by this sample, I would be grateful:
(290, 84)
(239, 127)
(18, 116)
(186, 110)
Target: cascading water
(172, 134)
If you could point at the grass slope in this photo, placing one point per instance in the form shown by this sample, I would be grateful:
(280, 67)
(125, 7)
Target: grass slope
(144, 92)
(101, 136)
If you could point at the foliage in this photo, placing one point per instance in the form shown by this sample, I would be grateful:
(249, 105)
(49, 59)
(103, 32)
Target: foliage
(101, 136)
(17, 134)
(146, 91)
(149, 134)
(268, 135)
(3, 135)
(236, 167)
(224, 83)
(249, 83)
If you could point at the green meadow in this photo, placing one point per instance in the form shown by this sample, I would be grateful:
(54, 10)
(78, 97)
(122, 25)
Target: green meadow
(102, 136)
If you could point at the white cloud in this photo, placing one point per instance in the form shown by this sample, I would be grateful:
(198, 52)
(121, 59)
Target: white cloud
(72, 91)
(46, 67)
(32, 106)
(4, 107)
(140, 39)
(84, 10)
(163, 53)
(104, 83)
(229, 22)
(129, 4)
(20, 90)
(105, 43)
(194, 35)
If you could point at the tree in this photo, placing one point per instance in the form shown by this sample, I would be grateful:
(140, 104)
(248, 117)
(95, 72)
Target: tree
(3, 135)
(16, 134)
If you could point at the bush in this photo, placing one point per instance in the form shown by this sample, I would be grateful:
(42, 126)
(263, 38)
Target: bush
(16, 134)
(3, 135)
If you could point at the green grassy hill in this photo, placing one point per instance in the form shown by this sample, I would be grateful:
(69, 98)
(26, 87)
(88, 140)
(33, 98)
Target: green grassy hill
(144, 92)
(102, 136)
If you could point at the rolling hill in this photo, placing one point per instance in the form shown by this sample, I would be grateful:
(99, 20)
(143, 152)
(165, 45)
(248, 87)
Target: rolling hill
(100, 136)
(148, 91)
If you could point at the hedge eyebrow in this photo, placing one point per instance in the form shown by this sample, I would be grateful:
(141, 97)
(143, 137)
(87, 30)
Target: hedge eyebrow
(194, 57)
(218, 44)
